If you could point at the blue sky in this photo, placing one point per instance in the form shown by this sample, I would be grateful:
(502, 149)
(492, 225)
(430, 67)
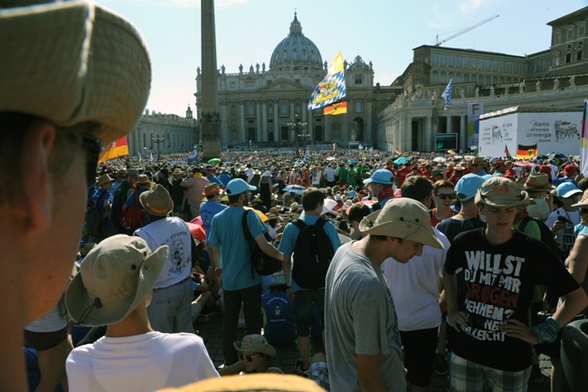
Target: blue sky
(381, 31)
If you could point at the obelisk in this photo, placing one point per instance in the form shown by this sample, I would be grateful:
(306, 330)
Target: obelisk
(209, 110)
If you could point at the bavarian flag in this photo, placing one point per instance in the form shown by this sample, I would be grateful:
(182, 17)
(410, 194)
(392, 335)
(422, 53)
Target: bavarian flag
(116, 149)
(332, 88)
(526, 152)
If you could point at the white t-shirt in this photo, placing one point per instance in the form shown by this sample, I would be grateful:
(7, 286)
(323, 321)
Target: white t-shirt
(414, 287)
(145, 362)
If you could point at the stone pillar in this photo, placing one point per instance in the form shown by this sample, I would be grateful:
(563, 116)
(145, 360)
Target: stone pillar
(209, 111)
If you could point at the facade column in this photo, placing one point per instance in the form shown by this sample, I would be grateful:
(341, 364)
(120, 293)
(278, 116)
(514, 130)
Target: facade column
(429, 130)
(368, 136)
(258, 130)
(463, 133)
(277, 131)
(242, 132)
(264, 131)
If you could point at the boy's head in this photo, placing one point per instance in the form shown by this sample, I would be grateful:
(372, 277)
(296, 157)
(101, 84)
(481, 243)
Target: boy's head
(114, 278)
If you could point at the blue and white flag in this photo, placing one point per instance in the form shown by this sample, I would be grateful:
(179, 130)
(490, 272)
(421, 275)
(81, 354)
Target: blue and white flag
(306, 154)
(332, 88)
(447, 94)
(193, 156)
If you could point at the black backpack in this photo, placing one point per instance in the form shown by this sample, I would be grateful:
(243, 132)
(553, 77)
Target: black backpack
(313, 253)
(547, 236)
(260, 262)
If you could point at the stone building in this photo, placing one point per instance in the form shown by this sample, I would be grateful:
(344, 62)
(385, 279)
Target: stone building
(262, 104)
(159, 133)
(553, 78)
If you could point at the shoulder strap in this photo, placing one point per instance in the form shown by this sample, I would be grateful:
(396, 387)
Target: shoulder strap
(299, 223)
(523, 223)
(320, 223)
(245, 226)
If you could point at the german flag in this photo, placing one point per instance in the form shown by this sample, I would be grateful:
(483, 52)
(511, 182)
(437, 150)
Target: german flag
(526, 152)
(116, 149)
(336, 108)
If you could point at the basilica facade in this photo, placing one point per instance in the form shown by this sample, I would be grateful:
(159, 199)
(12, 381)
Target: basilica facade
(266, 105)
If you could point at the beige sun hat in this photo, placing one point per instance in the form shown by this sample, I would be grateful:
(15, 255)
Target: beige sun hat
(538, 182)
(103, 179)
(583, 203)
(71, 62)
(157, 201)
(255, 343)
(502, 192)
(114, 278)
(402, 218)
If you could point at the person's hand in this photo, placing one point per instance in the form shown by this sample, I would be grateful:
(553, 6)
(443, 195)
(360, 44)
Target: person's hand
(457, 320)
(516, 329)
(558, 225)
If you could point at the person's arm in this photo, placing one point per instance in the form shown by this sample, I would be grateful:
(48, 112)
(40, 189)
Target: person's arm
(287, 269)
(268, 248)
(235, 368)
(216, 262)
(368, 373)
(455, 317)
(578, 259)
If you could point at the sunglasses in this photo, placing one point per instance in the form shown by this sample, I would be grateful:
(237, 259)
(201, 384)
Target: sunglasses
(444, 196)
(249, 358)
(94, 148)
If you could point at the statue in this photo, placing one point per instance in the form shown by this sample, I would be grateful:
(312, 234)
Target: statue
(522, 87)
(538, 86)
(251, 69)
(434, 96)
(461, 93)
(198, 71)
(240, 68)
(556, 84)
(223, 69)
(263, 67)
(505, 91)
(371, 65)
(573, 81)
(491, 91)
(477, 92)
(353, 135)
(257, 67)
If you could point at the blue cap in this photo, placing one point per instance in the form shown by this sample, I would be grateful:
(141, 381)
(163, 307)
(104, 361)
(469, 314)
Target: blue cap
(467, 186)
(567, 189)
(381, 176)
(236, 186)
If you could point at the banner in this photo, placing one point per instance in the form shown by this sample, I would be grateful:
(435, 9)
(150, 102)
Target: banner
(584, 141)
(475, 110)
(332, 88)
(116, 149)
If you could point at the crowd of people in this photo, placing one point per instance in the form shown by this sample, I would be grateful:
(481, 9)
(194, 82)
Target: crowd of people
(393, 266)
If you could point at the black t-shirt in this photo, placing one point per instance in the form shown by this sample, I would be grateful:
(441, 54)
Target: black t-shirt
(496, 282)
(452, 227)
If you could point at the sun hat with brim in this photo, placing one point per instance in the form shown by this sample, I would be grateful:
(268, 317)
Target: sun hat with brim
(502, 192)
(143, 179)
(255, 343)
(157, 201)
(402, 218)
(69, 62)
(211, 189)
(538, 182)
(567, 189)
(104, 179)
(114, 278)
(467, 186)
(328, 206)
(380, 176)
(177, 172)
(583, 202)
(237, 186)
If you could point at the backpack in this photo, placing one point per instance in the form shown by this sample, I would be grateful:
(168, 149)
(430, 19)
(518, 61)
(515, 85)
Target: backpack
(547, 236)
(132, 218)
(260, 262)
(93, 220)
(313, 252)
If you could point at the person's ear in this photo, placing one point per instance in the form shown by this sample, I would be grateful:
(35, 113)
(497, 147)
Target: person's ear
(35, 201)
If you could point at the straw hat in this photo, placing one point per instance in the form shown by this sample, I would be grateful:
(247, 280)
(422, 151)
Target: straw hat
(70, 62)
(142, 179)
(538, 182)
(114, 278)
(157, 201)
(402, 218)
(255, 343)
(502, 192)
(104, 179)
(211, 189)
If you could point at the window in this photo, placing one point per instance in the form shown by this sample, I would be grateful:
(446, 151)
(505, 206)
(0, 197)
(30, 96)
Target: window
(358, 107)
(232, 85)
(570, 35)
(581, 31)
(284, 109)
(556, 61)
(557, 38)
(358, 79)
(568, 58)
(250, 110)
(578, 55)
(270, 109)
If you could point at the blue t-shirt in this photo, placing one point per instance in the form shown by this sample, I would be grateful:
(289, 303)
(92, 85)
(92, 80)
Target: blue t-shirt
(208, 210)
(226, 233)
(279, 326)
(290, 235)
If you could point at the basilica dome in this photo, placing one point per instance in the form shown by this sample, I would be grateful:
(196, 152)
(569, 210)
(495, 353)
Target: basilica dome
(296, 52)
